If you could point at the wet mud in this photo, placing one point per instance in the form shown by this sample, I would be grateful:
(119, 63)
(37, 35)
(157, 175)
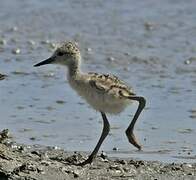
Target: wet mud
(21, 162)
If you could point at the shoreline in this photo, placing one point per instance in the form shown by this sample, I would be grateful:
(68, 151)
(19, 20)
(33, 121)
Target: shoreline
(40, 162)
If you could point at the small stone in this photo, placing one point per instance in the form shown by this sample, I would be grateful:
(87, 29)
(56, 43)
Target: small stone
(56, 147)
(122, 161)
(186, 130)
(45, 163)
(60, 102)
(16, 51)
(36, 153)
(45, 42)
(40, 170)
(19, 72)
(127, 54)
(190, 174)
(31, 42)
(103, 155)
(32, 138)
(14, 28)
(110, 59)
(187, 62)
(149, 26)
(20, 107)
(88, 49)
(21, 148)
(190, 60)
(188, 165)
(117, 168)
(50, 74)
(76, 174)
(3, 41)
(126, 68)
(115, 149)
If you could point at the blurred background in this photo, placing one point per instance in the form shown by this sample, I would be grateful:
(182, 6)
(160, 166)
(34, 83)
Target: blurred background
(150, 44)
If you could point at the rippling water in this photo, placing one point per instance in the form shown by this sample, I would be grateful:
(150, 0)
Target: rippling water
(150, 44)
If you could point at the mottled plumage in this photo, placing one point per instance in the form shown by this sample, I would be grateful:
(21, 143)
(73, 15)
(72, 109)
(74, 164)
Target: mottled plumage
(111, 84)
(104, 92)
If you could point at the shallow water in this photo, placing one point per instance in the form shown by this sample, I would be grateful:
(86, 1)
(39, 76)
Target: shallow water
(150, 44)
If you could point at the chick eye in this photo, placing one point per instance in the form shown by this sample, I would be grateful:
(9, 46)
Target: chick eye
(60, 53)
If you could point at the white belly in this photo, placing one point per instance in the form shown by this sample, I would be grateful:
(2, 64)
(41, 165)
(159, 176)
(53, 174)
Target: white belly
(101, 101)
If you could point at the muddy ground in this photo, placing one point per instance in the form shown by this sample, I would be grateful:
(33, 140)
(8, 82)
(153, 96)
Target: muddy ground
(40, 163)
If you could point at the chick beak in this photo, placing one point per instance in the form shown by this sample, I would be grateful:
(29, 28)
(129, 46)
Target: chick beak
(47, 61)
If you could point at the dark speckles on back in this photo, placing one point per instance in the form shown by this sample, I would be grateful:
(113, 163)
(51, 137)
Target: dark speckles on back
(93, 84)
(110, 84)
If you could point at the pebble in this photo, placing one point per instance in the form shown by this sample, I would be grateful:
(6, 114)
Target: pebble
(154, 128)
(187, 62)
(115, 149)
(56, 147)
(32, 138)
(122, 161)
(190, 173)
(186, 130)
(18, 72)
(127, 54)
(103, 155)
(88, 50)
(40, 170)
(76, 174)
(50, 108)
(126, 68)
(60, 102)
(22, 148)
(51, 74)
(14, 28)
(116, 168)
(110, 59)
(45, 163)
(16, 51)
(3, 42)
(31, 42)
(187, 165)
(36, 153)
(149, 26)
(45, 42)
